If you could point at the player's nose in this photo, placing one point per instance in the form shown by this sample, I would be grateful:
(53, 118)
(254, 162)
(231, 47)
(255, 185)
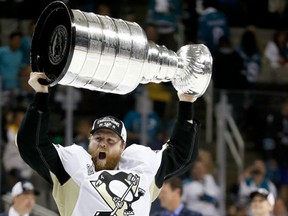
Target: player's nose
(103, 143)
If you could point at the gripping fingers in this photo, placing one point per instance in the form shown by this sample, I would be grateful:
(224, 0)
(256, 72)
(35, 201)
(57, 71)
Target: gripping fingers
(186, 97)
(36, 83)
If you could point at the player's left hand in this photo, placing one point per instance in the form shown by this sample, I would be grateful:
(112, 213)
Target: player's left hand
(186, 97)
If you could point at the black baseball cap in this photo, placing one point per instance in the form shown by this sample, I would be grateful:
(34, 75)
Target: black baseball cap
(263, 193)
(112, 123)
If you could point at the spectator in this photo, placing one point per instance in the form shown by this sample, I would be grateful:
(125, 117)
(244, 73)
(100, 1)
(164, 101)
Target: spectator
(26, 43)
(15, 167)
(232, 9)
(255, 13)
(252, 59)
(104, 10)
(10, 62)
(262, 202)
(200, 192)
(268, 136)
(162, 18)
(190, 21)
(251, 56)
(281, 124)
(280, 208)
(60, 97)
(212, 26)
(255, 180)
(23, 200)
(170, 199)
(89, 6)
(227, 75)
(276, 50)
(83, 129)
(26, 92)
(283, 19)
(206, 157)
(227, 67)
(133, 122)
(276, 11)
(273, 171)
(128, 14)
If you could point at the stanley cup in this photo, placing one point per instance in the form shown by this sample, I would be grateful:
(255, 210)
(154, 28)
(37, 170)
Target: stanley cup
(95, 52)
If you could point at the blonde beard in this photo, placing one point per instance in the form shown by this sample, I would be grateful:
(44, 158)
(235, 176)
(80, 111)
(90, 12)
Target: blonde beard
(109, 163)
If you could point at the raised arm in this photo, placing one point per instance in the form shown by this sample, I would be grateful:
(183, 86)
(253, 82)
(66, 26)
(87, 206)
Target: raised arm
(182, 147)
(32, 139)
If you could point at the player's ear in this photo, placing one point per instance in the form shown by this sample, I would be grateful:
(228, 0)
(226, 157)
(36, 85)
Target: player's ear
(123, 145)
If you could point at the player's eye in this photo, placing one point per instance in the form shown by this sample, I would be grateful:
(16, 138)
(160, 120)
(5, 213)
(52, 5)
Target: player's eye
(111, 141)
(98, 138)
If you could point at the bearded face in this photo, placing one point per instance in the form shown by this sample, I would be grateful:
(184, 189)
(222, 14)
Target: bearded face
(104, 160)
(106, 148)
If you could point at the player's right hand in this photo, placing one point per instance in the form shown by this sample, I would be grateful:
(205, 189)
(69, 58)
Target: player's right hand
(34, 82)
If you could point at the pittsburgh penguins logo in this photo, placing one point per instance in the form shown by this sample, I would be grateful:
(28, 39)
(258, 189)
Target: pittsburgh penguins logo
(119, 191)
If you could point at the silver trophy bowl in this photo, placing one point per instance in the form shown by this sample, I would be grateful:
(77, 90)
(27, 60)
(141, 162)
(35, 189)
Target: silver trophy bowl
(100, 53)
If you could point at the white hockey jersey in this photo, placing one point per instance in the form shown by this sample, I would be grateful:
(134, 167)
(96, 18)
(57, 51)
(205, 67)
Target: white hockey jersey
(108, 192)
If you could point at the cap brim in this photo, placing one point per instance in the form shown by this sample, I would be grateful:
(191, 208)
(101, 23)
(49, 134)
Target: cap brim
(35, 192)
(256, 193)
(116, 132)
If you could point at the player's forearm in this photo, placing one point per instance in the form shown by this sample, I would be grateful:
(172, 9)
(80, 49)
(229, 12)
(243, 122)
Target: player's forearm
(184, 138)
(182, 147)
(40, 102)
(33, 141)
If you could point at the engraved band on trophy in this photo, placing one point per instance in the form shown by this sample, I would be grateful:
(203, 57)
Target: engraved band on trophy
(96, 52)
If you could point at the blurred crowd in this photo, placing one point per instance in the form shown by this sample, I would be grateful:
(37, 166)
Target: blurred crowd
(237, 68)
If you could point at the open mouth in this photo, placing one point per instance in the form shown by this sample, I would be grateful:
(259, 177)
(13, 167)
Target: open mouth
(102, 155)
